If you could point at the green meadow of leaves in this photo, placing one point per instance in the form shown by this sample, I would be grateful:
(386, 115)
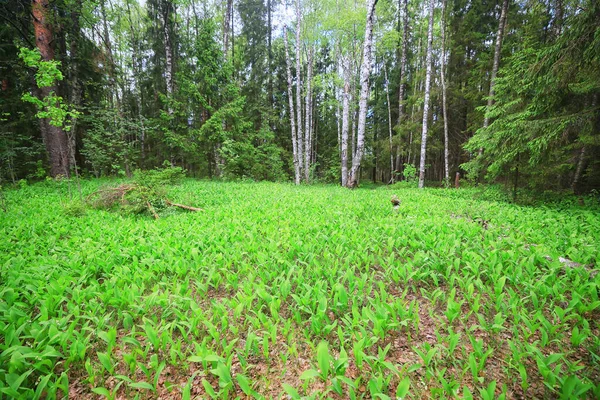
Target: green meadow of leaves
(277, 291)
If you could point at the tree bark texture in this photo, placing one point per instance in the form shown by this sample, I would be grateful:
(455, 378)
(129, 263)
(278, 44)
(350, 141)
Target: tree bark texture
(444, 94)
(54, 137)
(292, 114)
(300, 146)
(427, 93)
(496, 65)
(364, 94)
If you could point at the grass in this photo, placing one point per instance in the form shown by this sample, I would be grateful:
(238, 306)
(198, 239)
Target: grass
(276, 291)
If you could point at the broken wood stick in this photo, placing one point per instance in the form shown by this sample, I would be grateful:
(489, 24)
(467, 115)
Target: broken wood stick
(152, 210)
(190, 208)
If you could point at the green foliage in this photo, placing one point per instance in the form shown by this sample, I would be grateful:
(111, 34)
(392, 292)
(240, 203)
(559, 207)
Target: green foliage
(317, 283)
(107, 145)
(546, 106)
(51, 106)
(410, 173)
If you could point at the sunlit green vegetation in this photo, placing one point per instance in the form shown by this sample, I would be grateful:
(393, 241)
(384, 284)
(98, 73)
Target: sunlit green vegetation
(276, 290)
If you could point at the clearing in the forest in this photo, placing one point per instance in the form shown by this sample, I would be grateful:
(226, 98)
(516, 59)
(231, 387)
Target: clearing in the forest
(274, 290)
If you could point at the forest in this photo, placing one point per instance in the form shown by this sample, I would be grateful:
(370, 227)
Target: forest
(307, 199)
(309, 91)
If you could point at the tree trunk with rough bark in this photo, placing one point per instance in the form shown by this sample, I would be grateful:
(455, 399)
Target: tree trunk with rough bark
(292, 114)
(389, 107)
(137, 69)
(496, 65)
(403, 59)
(364, 94)
(427, 93)
(54, 137)
(75, 94)
(226, 21)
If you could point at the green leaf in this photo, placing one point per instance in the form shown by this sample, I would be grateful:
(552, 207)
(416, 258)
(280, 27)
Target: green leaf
(102, 391)
(142, 385)
(309, 374)
(402, 389)
(244, 383)
(323, 359)
(291, 391)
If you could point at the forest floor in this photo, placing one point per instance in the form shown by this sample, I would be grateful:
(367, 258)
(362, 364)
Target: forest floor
(279, 291)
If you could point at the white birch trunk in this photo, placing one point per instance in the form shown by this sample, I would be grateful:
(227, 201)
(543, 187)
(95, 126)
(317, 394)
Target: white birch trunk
(168, 56)
(299, 87)
(364, 94)
(345, 120)
(308, 118)
(292, 114)
(444, 97)
(426, 100)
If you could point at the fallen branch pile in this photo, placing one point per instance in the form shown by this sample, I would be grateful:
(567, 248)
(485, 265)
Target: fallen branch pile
(134, 197)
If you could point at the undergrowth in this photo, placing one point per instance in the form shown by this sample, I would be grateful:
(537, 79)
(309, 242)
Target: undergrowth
(276, 290)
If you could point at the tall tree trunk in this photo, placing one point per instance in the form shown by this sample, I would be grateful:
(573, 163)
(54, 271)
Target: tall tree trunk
(404, 6)
(579, 168)
(169, 47)
(364, 94)
(54, 137)
(291, 102)
(300, 146)
(226, 21)
(426, 99)
(75, 95)
(444, 95)
(496, 65)
(558, 18)
(137, 69)
(270, 55)
(345, 118)
(308, 117)
(389, 107)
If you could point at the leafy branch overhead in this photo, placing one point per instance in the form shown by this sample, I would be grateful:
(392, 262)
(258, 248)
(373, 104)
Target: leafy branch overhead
(52, 106)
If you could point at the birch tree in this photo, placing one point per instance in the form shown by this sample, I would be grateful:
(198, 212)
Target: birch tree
(403, 58)
(308, 116)
(290, 92)
(364, 94)
(345, 118)
(299, 145)
(444, 98)
(427, 93)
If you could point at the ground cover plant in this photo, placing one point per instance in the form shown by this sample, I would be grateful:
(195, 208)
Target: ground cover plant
(281, 291)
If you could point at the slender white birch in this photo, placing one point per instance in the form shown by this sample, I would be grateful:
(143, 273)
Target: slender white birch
(426, 99)
(345, 118)
(364, 94)
(291, 102)
(299, 145)
(444, 96)
(308, 117)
